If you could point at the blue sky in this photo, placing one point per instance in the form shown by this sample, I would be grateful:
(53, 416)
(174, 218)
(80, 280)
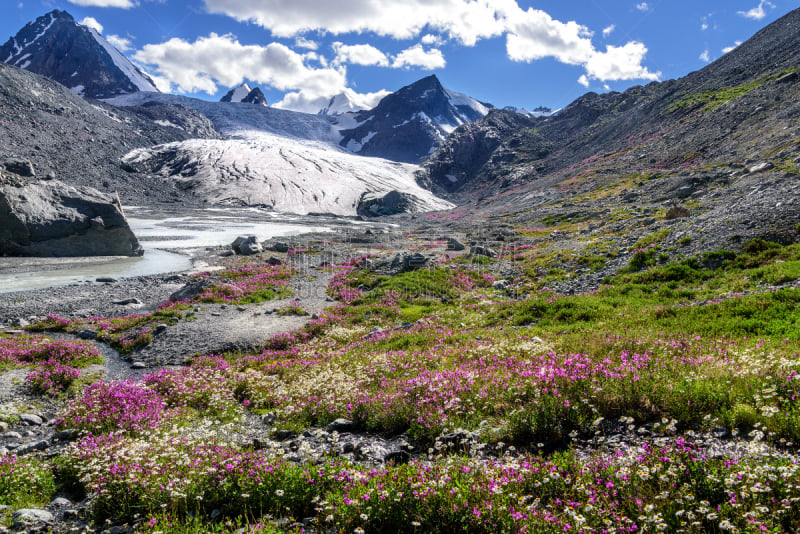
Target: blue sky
(505, 52)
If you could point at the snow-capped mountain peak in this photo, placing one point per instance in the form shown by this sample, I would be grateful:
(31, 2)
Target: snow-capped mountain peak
(244, 94)
(56, 46)
(409, 124)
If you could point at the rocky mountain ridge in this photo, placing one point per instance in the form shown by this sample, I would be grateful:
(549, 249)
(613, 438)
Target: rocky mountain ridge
(409, 124)
(78, 57)
(244, 94)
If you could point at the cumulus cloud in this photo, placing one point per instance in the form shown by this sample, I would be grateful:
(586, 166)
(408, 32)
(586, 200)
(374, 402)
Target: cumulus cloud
(463, 20)
(705, 56)
(731, 48)
(431, 40)
(221, 60)
(534, 35)
(121, 43)
(643, 6)
(417, 56)
(362, 54)
(301, 100)
(124, 4)
(91, 22)
(620, 63)
(308, 44)
(608, 30)
(758, 12)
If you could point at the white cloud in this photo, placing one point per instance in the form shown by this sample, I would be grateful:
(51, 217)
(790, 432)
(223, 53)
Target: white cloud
(416, 56)
(704, 26)
(643, 6)
(362, 54)
(731, 48)
(300, 100)
(91, 22)
(608, 30)
(464, 20)
(121, 43)
(20, 5)
(534, 35)
(431, 40)
(758, 12)
(220, 60)
(308, 44)
(705, 56)
(124, 4)
(620, 63)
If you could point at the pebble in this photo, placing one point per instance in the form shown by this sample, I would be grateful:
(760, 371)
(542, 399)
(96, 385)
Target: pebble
(31, 419)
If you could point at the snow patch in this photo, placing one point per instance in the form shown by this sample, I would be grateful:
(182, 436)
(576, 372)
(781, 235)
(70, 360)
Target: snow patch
(123, 64)
(460, 99)
(240, 93)
(162, 122)
(78, 90)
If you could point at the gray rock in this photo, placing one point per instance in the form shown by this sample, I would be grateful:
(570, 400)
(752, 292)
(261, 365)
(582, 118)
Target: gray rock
(128, 301)
(192, 289)
(138, 365)
(55, 219)
(12, 435)
(87, 334)
(676, 212)
(274, 261)
(19, 166)
(226, 253)
(60, 502)
(482, 251)
(414, 261)
(279, 246)
(398, 457)
(69, 434)
(340, 425)
(501, 284)
(105, 279)
(455, 244)
(246, 245)
(28, 448)
(31, 419)
(3, 427)
(377, 204)
(32, 515)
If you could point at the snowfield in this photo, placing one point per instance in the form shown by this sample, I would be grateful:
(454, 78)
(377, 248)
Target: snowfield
(288, 175)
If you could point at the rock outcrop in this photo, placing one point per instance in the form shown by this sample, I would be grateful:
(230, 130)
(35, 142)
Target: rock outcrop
(54, 219)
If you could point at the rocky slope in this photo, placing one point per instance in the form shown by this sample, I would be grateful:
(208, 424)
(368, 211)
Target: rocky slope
(56, 46)
(64, 136)
(722, 143)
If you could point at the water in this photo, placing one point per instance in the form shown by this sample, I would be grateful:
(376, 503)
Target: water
(168, 240)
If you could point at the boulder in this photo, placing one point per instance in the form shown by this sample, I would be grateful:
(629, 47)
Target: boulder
(19, 166)
(278, 246)
(55, 219)
(391, 203)
(482, 251)
(676, 212)
(454, 244)
(246, 245)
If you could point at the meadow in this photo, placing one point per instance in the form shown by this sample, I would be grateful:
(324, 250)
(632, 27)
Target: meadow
(663, 401)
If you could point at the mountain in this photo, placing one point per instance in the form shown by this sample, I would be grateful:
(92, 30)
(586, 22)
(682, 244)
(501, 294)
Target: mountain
(246, 95)
(408, 125)
(56, 46)
(347, 101)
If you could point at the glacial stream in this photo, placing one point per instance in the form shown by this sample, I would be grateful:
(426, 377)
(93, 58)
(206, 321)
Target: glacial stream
(168, 239)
